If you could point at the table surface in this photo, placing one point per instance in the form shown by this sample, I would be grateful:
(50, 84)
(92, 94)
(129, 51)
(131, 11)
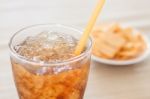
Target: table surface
(105, 82)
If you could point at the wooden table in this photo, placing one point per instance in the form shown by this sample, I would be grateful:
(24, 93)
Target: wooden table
(105, 82)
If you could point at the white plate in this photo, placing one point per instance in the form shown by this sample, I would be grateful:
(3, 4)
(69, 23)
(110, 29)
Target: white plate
(142, 57)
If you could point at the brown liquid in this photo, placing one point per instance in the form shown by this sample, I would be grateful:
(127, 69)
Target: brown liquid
(66, 84)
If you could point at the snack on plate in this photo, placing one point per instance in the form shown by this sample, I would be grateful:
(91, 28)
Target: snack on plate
(115, 42)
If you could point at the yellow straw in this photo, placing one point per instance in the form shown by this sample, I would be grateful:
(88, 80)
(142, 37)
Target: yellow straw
(89, 27)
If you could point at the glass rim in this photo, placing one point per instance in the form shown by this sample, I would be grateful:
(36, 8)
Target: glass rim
(67, 61)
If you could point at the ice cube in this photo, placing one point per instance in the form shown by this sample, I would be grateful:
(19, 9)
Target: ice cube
(47, 47)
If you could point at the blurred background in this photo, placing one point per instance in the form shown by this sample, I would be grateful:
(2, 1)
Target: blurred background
(16, 14)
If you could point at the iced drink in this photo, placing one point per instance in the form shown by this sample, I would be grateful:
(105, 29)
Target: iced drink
(44, 65)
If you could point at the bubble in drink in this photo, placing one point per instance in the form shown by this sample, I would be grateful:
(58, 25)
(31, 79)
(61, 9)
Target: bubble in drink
(48, 47)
